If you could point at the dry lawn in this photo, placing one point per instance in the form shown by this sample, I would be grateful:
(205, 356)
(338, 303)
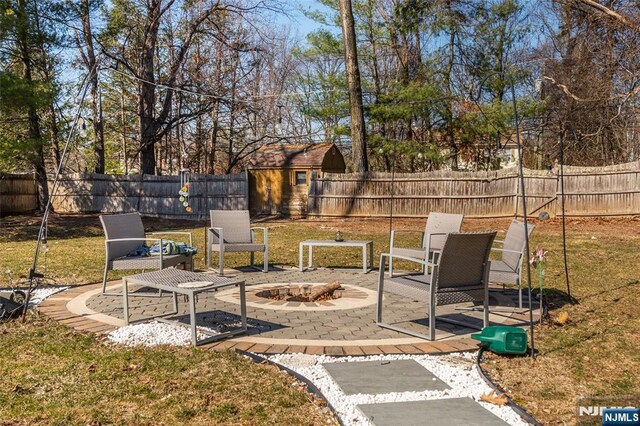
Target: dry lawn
(51, 375)
(596, 353)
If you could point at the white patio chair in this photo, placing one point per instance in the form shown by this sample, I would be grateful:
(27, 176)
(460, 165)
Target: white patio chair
(231, 231)
(460, 275)
(508, 269)
(123, 234)
(432, 238)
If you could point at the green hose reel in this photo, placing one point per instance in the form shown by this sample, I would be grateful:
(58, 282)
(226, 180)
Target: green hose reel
(503, 339)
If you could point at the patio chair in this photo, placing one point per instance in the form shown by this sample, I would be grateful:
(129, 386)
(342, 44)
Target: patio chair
(508, 269)
(231, 231)
(460, 275)
(124, 233)
(432, 240)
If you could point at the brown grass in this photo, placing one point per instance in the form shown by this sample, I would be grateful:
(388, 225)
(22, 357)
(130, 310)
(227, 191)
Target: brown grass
(596, 352)
(51, 375)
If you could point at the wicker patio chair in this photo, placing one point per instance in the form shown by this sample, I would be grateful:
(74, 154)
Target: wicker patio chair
(508, 269)
(433, 237)
(231, 231)
(123, 234)
(461, 275)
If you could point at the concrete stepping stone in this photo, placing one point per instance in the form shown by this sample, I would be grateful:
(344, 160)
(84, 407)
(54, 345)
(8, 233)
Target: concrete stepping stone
(435, 412)
(377, 377)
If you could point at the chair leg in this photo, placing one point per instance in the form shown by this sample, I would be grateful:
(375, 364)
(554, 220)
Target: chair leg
(104, 280)
(380, 289)
(391, 266)
(432, 321)
(485, 298)
(432, 313)
(519, 294)
(221, 263)
(485, 309)
(266, 260)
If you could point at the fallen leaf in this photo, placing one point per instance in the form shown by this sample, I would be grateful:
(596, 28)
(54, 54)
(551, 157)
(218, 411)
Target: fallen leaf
(494, 397)
(562, 318)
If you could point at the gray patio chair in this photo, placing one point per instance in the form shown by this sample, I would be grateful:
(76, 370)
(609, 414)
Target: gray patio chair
(233, 229)
(432, 239)
(508, 269)
(460, 275)
(123, 234)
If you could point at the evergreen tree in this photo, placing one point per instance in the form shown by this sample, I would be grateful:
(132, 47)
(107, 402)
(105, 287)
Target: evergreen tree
(26, 86)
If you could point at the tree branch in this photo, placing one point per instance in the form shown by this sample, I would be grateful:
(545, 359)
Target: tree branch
(599, 8)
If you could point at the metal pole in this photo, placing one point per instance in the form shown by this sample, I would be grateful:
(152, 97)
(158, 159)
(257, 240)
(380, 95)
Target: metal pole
(33, 274)
(564, 225)
(393, 188)
(524, 213)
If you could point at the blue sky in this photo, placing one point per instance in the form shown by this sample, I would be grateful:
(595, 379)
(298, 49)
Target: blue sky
(300, 24)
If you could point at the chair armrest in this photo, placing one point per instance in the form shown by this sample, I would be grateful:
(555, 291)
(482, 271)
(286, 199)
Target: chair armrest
(426, 242)
(265, 233)
(394, 231)
(505, 250)
(175, 233)
(407, 230)
(210, 233)
(410, 259)
(116, 240)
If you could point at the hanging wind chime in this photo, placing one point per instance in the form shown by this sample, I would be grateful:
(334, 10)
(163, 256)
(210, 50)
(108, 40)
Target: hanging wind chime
(185, 186)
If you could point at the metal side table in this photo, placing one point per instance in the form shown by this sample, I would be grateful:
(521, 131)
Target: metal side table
(364, 245)
(175, 281)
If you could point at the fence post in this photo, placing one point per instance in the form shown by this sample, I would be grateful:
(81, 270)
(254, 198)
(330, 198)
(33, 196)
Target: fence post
(311, 192)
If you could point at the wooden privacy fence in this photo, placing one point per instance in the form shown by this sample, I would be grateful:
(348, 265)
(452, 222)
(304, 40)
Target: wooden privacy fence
(150, 195)
(589, 191)
(18, 193)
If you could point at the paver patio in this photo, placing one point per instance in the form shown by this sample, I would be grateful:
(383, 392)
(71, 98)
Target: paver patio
(346, 327)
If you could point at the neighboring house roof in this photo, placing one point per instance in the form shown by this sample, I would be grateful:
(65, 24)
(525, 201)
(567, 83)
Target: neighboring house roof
(292, 155)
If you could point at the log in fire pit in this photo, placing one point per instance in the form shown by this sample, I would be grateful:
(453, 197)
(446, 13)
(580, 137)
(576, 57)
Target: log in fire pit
(304, 293)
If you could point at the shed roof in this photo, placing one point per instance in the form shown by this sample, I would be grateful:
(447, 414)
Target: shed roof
(292, 155)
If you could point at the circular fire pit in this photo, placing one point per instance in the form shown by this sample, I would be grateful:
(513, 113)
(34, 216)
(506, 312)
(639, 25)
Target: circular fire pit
(295, 297)
(304, 292)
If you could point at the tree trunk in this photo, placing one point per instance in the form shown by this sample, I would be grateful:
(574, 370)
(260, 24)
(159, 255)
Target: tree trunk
(231, 159)
(123, 128)
(448, 87)
(358, 135)
(147, 90)
(35, 136)
(55, 134)
(96, 105)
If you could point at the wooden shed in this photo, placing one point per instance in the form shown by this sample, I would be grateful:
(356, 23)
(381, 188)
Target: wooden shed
(279, 175)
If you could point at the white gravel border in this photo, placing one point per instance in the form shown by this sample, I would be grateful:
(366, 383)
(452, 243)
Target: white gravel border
(152, 333)
(39, 294)
(155, 333)
(457, 370)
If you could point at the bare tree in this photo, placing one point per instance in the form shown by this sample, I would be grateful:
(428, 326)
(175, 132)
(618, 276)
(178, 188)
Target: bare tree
(85, 43)
(358, 129)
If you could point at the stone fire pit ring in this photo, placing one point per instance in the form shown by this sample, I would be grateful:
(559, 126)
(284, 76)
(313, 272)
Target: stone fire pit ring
(352, 297)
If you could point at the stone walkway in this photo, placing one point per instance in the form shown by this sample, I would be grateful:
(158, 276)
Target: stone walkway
(385, 377)
(341, 327)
